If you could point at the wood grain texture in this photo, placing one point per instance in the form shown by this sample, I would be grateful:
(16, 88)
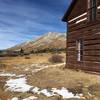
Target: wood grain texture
(89, 32)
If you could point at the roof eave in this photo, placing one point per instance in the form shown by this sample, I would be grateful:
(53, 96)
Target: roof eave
(67, 13)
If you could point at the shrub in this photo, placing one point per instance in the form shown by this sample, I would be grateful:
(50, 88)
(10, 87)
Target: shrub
(56, 59)
(2, 66)
(27, 57)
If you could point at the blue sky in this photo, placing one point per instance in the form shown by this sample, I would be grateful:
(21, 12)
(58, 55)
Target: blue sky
(21, 20)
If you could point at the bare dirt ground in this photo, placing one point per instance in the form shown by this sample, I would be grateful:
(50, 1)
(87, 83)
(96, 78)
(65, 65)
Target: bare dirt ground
(40, 73)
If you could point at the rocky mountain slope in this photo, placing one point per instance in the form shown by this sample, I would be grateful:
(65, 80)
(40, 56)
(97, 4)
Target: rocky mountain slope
(51, 40)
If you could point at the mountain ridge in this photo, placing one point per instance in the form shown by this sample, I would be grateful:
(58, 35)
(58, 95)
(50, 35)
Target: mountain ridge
(49, 40)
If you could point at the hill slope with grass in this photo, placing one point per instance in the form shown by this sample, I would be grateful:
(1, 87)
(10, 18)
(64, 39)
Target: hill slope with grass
(51, 40)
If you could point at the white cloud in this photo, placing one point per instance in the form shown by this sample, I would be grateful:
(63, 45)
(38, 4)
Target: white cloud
(21, 20)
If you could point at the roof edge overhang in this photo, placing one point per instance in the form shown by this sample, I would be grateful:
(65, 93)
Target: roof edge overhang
(67, 13)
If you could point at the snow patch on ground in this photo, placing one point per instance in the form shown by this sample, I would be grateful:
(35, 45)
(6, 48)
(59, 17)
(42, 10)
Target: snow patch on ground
(30, 98)
(18, 85)
(47, 93)
(19, 76)
(42, 67)
(7, 74)
(14, 98)
(35, 90)
(54, 91)
(4, 74)
(64, 93)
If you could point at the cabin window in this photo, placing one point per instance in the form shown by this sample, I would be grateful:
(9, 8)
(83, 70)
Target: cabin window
(92, 9)
(79, 48)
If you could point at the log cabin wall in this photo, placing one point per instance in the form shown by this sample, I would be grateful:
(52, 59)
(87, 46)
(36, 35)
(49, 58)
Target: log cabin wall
(78, 16)
(79, 27)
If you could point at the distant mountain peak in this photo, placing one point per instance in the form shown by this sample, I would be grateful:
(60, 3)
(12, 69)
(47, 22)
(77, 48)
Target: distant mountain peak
(48, 40)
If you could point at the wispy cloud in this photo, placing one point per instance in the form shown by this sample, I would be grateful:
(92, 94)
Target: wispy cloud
(21, 20)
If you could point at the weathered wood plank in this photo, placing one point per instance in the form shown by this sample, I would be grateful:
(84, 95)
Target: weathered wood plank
(92, 53)
(89, 32)
(91, 42)
(92, 47)
(91, 58)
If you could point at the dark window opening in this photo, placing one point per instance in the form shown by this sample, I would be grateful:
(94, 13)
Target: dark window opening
(92, 10)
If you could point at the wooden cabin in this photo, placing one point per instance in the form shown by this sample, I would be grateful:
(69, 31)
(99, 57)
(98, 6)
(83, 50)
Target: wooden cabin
(83, 37)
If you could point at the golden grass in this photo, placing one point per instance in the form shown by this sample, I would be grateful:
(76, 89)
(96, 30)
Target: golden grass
(4, 95)
(37, 58)
(56, 77)
(59, 77)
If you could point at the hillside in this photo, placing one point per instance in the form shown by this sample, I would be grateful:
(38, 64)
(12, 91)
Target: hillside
(51, 40)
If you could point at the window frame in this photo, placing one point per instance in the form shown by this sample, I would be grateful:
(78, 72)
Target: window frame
(79, 49)
(92, 10)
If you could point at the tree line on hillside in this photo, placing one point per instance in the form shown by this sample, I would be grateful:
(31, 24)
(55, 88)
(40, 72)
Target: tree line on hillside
(22, 52)
(49, 50)
(4, 53)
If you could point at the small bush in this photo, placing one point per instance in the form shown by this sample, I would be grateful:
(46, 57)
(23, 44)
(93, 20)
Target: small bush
(56, 59)
(2, 66)
(27, 57)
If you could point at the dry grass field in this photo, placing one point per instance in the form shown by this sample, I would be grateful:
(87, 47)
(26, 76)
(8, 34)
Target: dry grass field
(40, 73)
